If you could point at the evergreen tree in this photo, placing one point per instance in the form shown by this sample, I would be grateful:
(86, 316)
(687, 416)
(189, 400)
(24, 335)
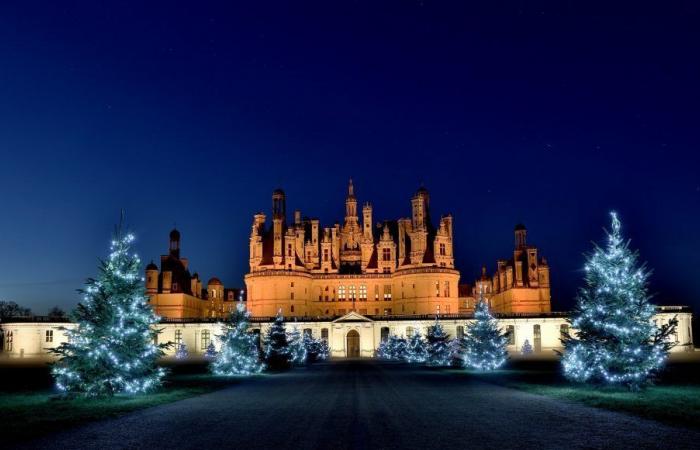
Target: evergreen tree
(211, 352)
(181, 352)
(324, 350)
(393, 348)
(316, 349)
(484, 344)
(111, 350)
(296, 347)
(239, 353)
(277, 353)
(439, 352)
(416, 348)
(383, 351)
(616, 340)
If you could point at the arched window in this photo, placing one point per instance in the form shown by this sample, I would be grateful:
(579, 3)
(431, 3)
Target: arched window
(537, 331)
(9, 341)
(510, 329)
(563, 330)
(384, 333)
(206, 339)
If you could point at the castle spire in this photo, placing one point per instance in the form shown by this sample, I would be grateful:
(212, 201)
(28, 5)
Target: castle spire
(351, 202)
(351, 189)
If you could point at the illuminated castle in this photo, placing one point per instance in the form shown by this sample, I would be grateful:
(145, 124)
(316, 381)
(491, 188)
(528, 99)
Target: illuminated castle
(404, 266)
(175, 293)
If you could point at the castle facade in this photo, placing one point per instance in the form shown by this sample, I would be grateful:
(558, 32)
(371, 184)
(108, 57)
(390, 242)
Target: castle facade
(403, 266)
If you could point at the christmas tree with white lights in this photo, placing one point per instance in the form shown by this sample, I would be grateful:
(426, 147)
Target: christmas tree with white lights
(239, 353)
(439, 352)
(296, 347)
(111, 350)
(324, 350)
(616, 340)
(393, 348)
(316, 349)
(416, 348)
(181, 352)
(210, 352)
(484, 344)
(277, 353)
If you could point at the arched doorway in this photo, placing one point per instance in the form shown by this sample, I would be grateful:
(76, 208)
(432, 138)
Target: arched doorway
(352, 344)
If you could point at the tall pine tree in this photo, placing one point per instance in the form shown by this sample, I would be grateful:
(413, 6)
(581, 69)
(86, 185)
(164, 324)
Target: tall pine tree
(439, 353)
(416, 348)
(239, 353)
(616, 340)
(111, 350)
(296, 347)
(277, 352)
(484, 344)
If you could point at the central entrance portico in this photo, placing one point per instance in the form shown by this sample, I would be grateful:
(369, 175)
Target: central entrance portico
(353, 336)
(352, 344)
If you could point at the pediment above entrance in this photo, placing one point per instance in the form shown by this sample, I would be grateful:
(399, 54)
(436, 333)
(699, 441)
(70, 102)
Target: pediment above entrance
(352, 317)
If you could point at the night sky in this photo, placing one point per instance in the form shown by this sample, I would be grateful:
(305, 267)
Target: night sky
(192, 115)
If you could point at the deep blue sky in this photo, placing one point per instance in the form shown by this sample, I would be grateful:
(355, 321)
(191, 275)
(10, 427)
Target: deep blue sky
(193, 114)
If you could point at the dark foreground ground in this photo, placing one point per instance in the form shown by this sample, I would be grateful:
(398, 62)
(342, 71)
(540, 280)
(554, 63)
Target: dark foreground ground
(367, 404)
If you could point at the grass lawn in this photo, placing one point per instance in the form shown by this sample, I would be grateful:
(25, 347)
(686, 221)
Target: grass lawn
(31, 407)
(674, 399)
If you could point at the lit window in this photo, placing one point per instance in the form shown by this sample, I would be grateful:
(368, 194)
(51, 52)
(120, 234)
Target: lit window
(341, 293)
(206, 339)
(353, 293)
(437, 289)
(447, 288)
(363, 293)
(49, 335)
(387, 292)
(376, 292)
(9, 340)
(178, 337)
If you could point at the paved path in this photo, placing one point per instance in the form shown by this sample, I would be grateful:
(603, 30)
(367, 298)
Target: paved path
(365, 404)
